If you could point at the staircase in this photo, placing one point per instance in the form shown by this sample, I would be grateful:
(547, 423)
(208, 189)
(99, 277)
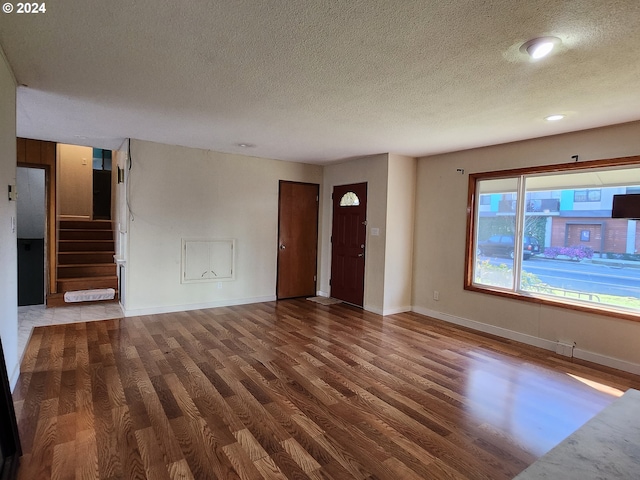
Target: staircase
(85, 258)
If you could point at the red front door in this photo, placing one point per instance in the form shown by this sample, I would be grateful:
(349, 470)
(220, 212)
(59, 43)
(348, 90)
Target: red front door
(348, 242)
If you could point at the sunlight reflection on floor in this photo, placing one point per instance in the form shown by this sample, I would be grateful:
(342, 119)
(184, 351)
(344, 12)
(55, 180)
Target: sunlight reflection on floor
(598, 386)
(534, 409)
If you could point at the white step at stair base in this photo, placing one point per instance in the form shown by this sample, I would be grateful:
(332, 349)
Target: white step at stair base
(90, 295)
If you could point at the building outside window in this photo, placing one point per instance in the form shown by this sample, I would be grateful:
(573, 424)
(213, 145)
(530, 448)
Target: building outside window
(587, 195)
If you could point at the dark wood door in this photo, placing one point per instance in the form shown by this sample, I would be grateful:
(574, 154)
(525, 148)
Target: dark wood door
(297, 239)
(348, 242)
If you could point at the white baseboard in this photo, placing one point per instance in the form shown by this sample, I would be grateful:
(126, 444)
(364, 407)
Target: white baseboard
(372, 309)
(483, 327)
(607, 361)
(386, 311)
(375, 309)
(531, 340)
(394, 310)
(196, 306)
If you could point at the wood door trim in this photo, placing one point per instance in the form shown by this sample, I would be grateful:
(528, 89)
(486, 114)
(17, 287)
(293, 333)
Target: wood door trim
(51, 241)
(42, 154)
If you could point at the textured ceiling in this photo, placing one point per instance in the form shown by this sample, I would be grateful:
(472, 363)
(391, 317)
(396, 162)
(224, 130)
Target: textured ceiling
(318, 81)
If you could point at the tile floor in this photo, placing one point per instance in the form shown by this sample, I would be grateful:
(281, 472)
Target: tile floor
(37, 315)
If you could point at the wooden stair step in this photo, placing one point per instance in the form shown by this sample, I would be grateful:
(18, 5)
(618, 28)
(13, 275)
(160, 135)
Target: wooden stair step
(86, 224)
(86, 246)
(73, 258)
(87, 283)
(85, 257)
(86, 270)
(84, 234)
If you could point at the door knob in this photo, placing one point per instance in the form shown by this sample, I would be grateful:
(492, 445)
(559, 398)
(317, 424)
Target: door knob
(282, 246)
(361, 254)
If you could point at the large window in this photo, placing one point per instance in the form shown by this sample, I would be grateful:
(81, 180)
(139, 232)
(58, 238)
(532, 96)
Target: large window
(547, 235)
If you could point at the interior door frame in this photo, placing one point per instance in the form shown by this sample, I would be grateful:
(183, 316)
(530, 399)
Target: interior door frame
(50, 243)
(43, 154)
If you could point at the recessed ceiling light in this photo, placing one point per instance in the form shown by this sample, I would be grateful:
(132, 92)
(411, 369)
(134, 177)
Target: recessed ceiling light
(540, 47)
(539, 50)
(246, 145)
(554, 118)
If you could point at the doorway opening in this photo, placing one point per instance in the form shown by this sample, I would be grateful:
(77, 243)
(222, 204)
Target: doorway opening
(86, 270)
(101, 184)
(76, 248)
(31, 229)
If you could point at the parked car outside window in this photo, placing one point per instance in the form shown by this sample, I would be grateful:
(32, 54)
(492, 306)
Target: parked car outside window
(503, 245)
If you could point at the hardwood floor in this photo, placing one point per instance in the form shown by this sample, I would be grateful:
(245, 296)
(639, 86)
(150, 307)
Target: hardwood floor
(294, 389)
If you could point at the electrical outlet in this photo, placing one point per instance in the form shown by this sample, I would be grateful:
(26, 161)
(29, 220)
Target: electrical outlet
(219, 285)
(436, 295)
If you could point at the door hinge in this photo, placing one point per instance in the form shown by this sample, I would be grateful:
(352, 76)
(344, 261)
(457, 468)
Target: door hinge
(317, 198)
(329, 282)
(315, 278)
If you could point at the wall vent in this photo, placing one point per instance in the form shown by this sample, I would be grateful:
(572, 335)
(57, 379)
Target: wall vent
(208, 260)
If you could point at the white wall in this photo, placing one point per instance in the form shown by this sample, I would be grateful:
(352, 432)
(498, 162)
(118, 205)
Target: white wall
(8, 238)
(75, 181)
(372, 170)
(441, 216)
(178, 192)
(401, 187)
